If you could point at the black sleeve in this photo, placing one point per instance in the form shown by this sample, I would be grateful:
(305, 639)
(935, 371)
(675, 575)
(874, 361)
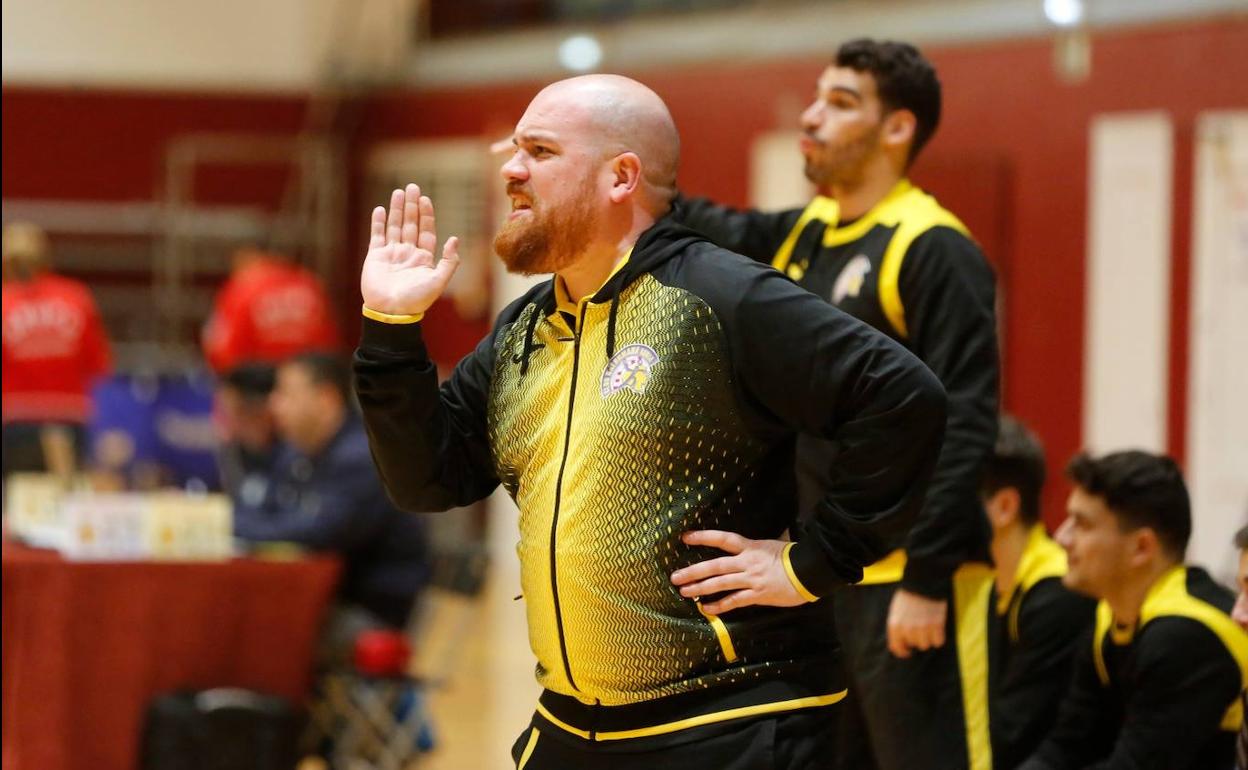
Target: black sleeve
(1086, 719)
(948, 292)
(813, 369)
(756, 234)
(431, 444)
(1186, 681)
(1037, 671)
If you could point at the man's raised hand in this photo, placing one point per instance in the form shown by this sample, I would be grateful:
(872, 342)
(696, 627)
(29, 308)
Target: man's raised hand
(400, 276)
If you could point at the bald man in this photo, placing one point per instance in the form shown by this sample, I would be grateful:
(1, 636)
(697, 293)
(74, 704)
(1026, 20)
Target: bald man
(641, 407)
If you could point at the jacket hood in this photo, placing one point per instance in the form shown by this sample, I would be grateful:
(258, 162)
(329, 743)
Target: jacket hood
(665, 239)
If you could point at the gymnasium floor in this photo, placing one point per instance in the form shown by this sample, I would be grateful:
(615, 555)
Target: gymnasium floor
(490, 691)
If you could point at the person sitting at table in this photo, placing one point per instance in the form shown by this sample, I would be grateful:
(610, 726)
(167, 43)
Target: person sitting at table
(246, 430)
(324, 494)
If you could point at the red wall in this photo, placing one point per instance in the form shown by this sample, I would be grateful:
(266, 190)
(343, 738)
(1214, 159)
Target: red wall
(1021, 133)
(98, 145)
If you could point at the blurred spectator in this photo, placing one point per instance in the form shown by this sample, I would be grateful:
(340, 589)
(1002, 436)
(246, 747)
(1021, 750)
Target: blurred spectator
(268, 310)
(1036, 621)
(245, 426)
(325, 494)
(1158, 684)
(54, 347)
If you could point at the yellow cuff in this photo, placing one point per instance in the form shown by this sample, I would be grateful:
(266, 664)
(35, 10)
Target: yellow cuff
(386, 318)
(788, 568)
(890, 569)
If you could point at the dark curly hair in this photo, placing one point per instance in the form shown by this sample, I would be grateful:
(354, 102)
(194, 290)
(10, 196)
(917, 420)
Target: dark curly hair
(1141, 489)
(905, 81)
(1016, 461)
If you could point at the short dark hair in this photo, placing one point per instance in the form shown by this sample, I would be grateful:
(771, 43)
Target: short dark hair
(1141, 489)
(253, 380)
(1241, 538)
(905, 81)
(326, 369)
(1017, 461)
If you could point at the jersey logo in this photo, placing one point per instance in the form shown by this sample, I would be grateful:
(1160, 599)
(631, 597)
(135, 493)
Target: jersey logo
(850, 281)
(629, 369)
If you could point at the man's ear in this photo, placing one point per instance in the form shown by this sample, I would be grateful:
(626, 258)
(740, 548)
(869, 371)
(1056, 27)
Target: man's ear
(898, 129)
(1145, 547)
(1002, 507)
(626, 176)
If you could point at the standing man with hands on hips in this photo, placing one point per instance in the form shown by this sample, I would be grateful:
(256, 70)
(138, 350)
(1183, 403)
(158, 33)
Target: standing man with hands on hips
(881, 249)
(639, 409)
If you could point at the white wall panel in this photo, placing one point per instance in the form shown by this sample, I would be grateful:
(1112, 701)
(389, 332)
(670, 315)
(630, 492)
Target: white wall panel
(1217, 409)
(777, 172)
(1127, 303)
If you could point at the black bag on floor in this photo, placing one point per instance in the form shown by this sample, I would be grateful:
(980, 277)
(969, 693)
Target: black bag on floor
(221, 729)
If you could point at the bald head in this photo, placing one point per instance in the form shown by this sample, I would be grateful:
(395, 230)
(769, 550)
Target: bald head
(622, 115)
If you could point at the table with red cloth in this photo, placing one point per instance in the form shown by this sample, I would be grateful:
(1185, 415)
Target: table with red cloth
(87, 645)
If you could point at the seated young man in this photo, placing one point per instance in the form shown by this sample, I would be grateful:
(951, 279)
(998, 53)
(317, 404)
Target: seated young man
(1035, 621)
(1158, 684)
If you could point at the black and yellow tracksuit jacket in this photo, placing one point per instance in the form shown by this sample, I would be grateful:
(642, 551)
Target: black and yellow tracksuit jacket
(667, 401)
(909, 268)
(1034, 631)
(1163, 694)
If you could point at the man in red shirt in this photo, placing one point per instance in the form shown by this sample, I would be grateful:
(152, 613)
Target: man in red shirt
(54, 347)
(269, 310)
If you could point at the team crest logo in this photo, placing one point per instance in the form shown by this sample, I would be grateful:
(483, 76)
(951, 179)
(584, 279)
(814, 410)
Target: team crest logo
(850, 281)
(629, 369)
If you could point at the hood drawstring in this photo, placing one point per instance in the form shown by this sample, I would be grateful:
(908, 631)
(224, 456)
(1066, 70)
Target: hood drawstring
(529, 347)
(615, 307)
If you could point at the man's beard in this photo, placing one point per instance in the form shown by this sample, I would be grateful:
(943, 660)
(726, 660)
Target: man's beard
(844, 164)
(540, 243)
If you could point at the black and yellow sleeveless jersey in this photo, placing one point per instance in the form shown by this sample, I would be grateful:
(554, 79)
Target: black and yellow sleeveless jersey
(668, 401)
(909, 268)
(1034, 630)
(1161, 694)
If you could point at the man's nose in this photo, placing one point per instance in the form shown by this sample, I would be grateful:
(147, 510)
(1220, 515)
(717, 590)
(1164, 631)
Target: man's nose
(1240, 612)
(514, 169)
(1062, 535)
(812, 116)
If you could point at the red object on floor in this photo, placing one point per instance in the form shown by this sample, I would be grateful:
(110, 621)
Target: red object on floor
(87, 645)
(382, 653)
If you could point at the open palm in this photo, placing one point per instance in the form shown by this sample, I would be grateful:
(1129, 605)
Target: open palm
(400, 275)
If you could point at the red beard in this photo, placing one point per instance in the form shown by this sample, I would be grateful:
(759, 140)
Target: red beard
(547, 240)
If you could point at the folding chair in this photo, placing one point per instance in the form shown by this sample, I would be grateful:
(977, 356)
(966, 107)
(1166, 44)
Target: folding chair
(375, 711)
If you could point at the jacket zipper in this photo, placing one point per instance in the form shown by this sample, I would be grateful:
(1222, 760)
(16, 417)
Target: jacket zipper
(554, 524)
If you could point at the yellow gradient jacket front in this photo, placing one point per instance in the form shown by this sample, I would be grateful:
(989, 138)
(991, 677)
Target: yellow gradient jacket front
(668, 401)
